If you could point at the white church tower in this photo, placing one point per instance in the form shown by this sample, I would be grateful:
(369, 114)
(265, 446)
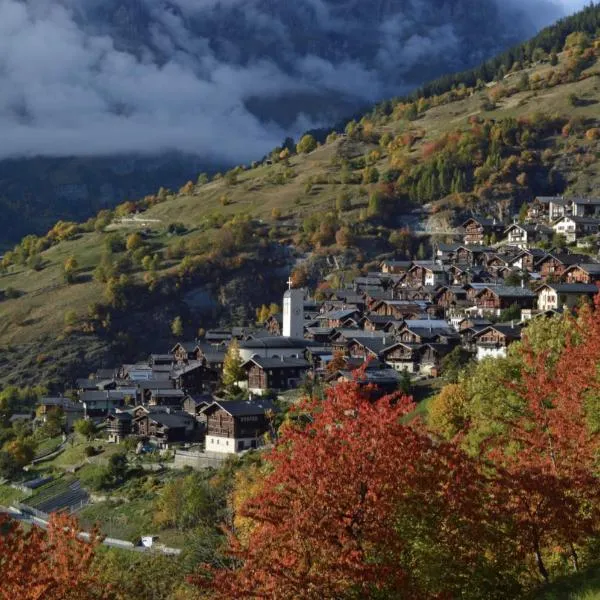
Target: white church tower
(293, 312)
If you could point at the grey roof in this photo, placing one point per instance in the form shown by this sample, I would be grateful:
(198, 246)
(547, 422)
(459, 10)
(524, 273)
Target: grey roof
(509, 331)
(187, 346)
(566, 259)
(338, 314)
(275, 342)
(586, 201)
(170, 420)
(65, 403)
(590, 268)
(572, 288)
(580, 220)
(508, 291)
(167, 393)
(375, 345)
(279, 363)
(243, 408)
(485, 221)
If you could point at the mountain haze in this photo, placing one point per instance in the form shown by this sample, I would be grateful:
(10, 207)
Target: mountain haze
(217, 82)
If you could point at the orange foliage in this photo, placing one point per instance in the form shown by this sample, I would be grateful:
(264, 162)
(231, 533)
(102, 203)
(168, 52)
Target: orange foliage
(328, 520)
(49, 565)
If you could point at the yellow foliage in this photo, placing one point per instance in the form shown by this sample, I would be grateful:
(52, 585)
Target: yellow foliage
(447, 410)
(248, 483)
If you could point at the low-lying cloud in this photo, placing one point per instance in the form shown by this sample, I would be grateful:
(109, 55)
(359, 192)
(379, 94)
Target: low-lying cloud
(103, 77)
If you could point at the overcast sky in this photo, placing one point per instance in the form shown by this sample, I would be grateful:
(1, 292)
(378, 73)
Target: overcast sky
(66, 90)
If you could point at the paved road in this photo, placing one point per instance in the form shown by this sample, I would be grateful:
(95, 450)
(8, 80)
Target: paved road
(110, 542)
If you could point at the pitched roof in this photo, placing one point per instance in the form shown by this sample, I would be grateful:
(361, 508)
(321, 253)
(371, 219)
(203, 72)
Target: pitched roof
(509, 331)
(278, 363)
(507, 291)
(589, 268)
(275, 342)
(571, 288)
(243, 408)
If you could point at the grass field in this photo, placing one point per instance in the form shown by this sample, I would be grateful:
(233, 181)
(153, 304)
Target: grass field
(581, 586)
(8, 495)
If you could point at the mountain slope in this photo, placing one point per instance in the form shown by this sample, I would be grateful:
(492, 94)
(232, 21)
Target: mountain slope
(215, 250)
(223, 81)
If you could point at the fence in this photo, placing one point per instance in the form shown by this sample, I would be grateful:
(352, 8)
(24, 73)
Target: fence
(197, 460)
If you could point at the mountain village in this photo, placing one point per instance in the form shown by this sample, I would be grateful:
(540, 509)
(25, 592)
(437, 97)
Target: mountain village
(388, 328)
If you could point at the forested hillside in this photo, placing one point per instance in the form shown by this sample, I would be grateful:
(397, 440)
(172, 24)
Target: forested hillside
(149, 90)
(220, 246)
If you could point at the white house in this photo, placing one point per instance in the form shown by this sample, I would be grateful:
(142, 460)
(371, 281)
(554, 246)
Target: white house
(576, 227)
(552, 296)
(493, 341)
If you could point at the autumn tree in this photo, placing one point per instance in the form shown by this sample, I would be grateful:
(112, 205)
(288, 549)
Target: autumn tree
(50, 565)
(69, 269)
(134, 241)
(306, 144)
(337, 363)
(232, 367)
(546, 452)
(177, 327)
(356, 503)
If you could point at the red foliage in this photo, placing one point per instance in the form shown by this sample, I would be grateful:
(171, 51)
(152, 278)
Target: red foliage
(48, 565)
(546, 456)
(344, 497)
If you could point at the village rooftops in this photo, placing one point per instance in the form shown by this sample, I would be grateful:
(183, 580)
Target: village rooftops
(59, 402)
(273, 343)
(571, 288)
(586, 201)
(506, 291)
(508, 330)
(579, 220)
(279, 363)
(589, 268)
(565, 258)
(243, 408)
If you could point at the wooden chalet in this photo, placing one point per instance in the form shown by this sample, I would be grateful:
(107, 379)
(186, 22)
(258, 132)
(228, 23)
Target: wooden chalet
(555, 264)
(233, 426)
(164, 428)
(183, 352)
(523, 235)
(275, 373)
(398, 309)
(402, 356)
(396, 267)
(450, 297)
(479, 229)
(492, 341)
(119, 425)
(582, 273)
(527, 259)
(496, 298)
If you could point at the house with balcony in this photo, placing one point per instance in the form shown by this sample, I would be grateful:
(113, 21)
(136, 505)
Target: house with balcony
(574, 228)
(494, 340)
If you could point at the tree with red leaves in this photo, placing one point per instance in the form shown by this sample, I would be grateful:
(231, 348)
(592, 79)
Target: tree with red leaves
(546, 453)
(360, 504)
(48, 565)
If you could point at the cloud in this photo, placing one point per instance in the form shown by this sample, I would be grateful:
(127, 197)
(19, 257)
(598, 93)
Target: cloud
(104, 77)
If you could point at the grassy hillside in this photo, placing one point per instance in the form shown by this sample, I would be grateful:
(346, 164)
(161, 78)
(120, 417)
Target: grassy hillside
(217, 249)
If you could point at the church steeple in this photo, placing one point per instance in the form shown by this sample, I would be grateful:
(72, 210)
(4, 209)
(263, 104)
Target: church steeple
(293, 312)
